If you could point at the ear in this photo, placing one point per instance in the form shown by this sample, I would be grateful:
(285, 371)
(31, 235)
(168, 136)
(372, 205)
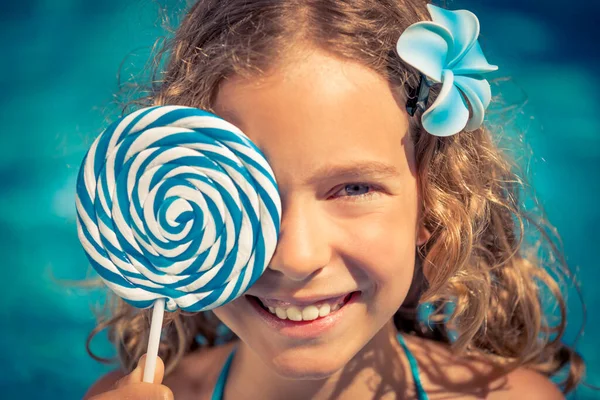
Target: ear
(423, 235)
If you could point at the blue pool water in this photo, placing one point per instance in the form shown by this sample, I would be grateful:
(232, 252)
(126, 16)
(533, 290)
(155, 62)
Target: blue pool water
(58, 74)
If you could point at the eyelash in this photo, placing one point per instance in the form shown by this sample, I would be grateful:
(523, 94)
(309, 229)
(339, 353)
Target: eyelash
(372, 191)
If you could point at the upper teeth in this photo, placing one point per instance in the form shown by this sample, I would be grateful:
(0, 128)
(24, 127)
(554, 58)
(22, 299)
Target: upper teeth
(307, 313)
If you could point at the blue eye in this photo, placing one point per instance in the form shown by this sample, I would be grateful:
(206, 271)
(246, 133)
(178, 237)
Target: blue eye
(356, 189)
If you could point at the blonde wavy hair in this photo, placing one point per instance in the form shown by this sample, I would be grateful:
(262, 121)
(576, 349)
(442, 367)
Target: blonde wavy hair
(487, 285)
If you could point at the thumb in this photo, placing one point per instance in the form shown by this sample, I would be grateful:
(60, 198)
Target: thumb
(159, 370)
(137, 374)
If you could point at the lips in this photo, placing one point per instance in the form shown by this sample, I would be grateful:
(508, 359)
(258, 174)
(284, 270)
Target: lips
(301, 329)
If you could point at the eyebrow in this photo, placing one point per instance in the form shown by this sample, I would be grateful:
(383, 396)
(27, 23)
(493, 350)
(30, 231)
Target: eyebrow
(356, 170)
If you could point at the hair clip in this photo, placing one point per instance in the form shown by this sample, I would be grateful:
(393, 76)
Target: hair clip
(418, 97)
(445, 50)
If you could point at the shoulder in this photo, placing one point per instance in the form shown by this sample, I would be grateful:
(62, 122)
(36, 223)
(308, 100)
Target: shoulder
(196, 374)
(473, 377)
(104, 384)
(530, 385)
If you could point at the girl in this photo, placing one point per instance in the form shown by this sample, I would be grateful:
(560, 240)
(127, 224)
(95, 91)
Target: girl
(379, 216)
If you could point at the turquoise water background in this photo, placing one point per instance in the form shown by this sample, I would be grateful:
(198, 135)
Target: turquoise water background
(58, 75)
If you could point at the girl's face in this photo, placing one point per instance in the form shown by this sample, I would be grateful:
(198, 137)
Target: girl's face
(336, 137)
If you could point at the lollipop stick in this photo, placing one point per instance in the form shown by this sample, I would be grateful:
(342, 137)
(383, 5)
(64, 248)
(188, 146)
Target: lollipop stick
(155, 327)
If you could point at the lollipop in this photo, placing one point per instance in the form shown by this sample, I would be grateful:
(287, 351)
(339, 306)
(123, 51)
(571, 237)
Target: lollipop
(176, 208)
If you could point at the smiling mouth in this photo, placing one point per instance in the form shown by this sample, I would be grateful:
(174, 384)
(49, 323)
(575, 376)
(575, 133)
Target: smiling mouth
(304, 313)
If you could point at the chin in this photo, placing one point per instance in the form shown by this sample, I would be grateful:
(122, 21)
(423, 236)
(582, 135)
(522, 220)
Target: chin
(306, 369)
(306, 363)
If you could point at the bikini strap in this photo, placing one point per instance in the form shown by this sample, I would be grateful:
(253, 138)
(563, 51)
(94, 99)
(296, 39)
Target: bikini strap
(414, 368)
(220, 386)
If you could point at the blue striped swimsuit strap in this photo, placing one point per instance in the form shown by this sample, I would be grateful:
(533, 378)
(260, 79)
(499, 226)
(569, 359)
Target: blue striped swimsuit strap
(422, 395)
(220, 386)
(414, 368)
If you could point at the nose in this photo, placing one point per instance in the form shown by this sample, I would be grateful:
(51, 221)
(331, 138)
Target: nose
(303, 247)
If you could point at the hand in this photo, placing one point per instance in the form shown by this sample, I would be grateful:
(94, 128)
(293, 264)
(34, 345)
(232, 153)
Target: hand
(131, 387)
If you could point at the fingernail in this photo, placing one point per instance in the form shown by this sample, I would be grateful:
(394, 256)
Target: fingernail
(141, 362)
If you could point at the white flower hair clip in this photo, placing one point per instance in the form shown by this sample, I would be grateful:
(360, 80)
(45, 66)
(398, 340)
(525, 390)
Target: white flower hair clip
(446, 51)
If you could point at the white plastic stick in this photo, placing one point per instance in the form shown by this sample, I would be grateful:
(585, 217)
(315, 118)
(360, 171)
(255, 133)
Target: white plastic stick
(155, 328)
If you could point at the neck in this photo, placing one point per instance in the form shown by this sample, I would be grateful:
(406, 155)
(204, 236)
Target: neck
(378, 369)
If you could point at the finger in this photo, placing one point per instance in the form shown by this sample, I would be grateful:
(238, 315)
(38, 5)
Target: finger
(137, 374)
(138, 391)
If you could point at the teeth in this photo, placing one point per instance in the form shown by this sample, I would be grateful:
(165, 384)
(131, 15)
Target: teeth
(280, 312)
(308, 313)
(324, 310)
(294, 314)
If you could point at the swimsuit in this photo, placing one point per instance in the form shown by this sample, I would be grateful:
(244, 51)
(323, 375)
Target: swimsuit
(421, 395)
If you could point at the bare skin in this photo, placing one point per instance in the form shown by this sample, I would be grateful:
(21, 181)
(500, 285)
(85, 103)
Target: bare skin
(335, 134)
(443, 374)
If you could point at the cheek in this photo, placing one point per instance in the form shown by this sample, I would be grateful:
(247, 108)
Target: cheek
(232, 315)
(382, 251)
(384, 243)
(386, 251)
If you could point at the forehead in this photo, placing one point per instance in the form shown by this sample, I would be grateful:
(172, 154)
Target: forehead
(318, 111)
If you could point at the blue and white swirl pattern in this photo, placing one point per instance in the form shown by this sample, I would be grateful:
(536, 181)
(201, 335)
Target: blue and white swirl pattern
(174, 202)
